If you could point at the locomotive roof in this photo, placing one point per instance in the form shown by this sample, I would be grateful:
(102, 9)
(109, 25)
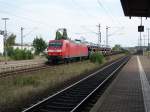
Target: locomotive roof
(73, 41)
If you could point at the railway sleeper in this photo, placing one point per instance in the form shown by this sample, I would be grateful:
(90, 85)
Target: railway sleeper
(85, 86)
(51, 107)
(63, 104)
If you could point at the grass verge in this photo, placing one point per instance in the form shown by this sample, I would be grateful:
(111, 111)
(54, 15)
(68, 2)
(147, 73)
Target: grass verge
(18, 90)
(2, 58)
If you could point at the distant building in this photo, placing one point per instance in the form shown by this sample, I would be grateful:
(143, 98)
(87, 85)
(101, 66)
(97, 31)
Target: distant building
(25, 46)
(142, 47)
(131, 49)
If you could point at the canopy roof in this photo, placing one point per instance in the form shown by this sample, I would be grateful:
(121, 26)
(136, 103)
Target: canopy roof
(138, 8)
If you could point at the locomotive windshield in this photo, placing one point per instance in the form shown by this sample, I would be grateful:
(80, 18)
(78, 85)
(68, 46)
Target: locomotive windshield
(55, 44)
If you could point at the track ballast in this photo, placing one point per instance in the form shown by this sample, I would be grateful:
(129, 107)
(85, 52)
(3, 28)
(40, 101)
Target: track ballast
(71, 98)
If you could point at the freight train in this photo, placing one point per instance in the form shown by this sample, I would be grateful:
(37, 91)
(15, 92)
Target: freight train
(64, 49)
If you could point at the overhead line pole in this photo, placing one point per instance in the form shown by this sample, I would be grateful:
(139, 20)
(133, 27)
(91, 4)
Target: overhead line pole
(107, 36)
(141, 37)
(138, 41)
(144, 40)
(22, 37)
(99, 34)
(148, 29)
(5, 37)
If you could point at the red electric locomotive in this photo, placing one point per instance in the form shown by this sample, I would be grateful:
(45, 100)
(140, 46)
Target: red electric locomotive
(66, 50)
(62, 48)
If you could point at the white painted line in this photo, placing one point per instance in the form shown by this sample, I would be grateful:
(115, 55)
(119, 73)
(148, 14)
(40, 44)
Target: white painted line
(145, 86)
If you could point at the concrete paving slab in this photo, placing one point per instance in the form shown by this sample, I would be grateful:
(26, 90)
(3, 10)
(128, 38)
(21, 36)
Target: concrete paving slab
(125, 93)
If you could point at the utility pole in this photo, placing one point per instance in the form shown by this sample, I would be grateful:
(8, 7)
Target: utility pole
(22, 37)
(107, 36)
(5, 37)
(141, 38)
(138, 41)
(144, 40)
(148, 29)
(99, 34)
(148, 40)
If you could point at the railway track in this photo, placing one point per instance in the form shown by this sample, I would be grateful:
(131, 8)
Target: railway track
(23, 70)
(27, 69)
(73, 97)
(31, 66)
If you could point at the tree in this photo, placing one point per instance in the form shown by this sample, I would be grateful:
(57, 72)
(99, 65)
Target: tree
(117, 47)
(39, 44)
(10, 41)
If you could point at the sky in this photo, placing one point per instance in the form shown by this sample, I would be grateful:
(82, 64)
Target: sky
(80, 17)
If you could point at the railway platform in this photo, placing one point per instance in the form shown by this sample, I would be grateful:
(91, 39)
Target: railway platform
(130, 90)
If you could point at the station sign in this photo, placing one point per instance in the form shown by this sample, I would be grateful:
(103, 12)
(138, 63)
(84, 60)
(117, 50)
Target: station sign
(140, 28)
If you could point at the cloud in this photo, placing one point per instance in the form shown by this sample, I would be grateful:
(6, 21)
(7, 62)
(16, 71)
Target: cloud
(49, 15)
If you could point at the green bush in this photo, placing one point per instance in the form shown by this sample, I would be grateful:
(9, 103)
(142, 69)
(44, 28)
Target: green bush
(20, 54)
(29, 54)
(1, 54)
(10, 51)
(97, 57)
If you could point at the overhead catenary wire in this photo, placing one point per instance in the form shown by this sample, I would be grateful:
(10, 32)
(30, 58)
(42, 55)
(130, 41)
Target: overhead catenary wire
(35, 28)
(83, 9)
(22, 18)
(117, 31)
(114, 19)
(44, 24)
(25, 18)
(90, 15)
(88, 29)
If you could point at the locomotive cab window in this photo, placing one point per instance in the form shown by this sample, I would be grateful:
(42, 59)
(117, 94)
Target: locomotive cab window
(55, 44)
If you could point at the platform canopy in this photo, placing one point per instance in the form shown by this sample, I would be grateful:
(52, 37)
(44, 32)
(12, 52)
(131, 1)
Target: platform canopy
(137, 8)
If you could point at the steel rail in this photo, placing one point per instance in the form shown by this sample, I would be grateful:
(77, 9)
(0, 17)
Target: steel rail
(23, 70)
(72, 95)
(101, 84)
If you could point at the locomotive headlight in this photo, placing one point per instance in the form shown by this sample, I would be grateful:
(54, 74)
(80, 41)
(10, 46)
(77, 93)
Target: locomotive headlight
(54, 50)
(58, 50)
(50, 50)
